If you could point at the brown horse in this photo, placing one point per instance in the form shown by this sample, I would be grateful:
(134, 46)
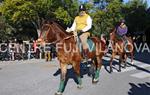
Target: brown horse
(68, 53)
(118, 47)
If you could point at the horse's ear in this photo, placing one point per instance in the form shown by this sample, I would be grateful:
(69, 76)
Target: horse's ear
(51, 22)
(42, 23)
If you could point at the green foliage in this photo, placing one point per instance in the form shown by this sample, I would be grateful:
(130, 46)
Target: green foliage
(21, 14)
(65, 10)
(24, 17)
(104, 20)
(62, 15)
(136, 15)
(25, 10)
(5, 30)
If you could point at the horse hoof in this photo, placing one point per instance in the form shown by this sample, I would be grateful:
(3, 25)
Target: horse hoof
(95, 81)
(111, 70)
(119, 70)
(124, 67)
(89, 75)
(58, 93)
(79, 86)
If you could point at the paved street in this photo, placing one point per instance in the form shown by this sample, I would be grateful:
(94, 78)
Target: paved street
(37, 77)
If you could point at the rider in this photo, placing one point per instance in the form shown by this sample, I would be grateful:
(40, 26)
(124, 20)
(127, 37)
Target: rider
(122, 31)
(82, 24)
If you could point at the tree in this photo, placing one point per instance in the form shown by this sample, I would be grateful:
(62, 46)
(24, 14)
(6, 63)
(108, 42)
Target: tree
(136, 16)
(22, 14)
(5, 30)
(67, 11)
(106, 18)
(27, 16)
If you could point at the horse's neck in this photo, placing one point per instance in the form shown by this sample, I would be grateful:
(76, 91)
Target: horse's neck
(113, 34)
(60, 35)
(58, 32)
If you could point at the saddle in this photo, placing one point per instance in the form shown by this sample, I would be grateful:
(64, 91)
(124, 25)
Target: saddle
(91, 45)
(124, 39)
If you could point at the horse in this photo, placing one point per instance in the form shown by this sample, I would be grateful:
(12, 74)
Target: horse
(68, 53)
(118, 47)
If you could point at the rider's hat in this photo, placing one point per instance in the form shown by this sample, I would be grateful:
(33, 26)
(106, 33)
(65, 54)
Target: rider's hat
(82, 7)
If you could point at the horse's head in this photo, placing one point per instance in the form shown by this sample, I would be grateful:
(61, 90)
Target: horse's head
(52, 32)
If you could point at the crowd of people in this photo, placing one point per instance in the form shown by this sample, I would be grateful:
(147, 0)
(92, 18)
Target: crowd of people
(23, 50)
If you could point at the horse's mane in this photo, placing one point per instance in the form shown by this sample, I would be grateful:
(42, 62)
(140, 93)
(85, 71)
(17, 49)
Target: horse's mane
(58, 27)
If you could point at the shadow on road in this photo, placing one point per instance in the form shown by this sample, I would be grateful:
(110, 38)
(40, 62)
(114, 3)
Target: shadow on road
(107, 67)
(139, 89)
(140, 68)
(71, 74)
(143, 57)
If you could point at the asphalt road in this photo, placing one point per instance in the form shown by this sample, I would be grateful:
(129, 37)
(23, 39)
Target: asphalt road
(37, 77)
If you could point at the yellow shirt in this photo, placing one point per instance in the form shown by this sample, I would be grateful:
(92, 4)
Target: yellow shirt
(81, 22)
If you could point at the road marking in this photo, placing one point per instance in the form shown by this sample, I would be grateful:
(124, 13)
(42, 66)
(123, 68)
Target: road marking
(141, 75)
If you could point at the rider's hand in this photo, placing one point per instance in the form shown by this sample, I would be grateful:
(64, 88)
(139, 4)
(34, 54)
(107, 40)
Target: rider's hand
(75, 33)
(81, 31)
(68, 30)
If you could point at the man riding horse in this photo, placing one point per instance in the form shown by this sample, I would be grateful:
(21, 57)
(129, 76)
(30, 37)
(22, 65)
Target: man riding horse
(121, 31)
(82, 24)
(121, 44)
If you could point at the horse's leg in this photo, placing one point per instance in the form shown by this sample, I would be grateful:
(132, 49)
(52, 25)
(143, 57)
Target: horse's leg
(125, 60)
(121, 57)
(132, 51)
(111, 61)
(92, 69)
(63, 67)
(132, 58)
(76, 67)
(98, 65)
